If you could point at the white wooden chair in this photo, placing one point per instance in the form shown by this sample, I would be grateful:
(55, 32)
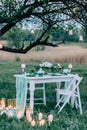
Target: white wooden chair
(69, 95)
(37, 100)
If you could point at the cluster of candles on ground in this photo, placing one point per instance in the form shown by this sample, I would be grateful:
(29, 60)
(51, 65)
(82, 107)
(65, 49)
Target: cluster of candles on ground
(40, 118)
(11, 111)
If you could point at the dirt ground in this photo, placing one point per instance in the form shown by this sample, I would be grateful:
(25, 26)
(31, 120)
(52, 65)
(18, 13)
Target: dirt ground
(62, 53)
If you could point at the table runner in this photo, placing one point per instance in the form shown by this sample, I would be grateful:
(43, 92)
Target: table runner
(21, 90)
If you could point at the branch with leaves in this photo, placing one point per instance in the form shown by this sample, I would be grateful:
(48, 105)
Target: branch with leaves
(25, 50)
(50, 12)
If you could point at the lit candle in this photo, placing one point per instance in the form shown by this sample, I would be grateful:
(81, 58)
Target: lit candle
(29, 118)
(32, 31)
(2, 102)
(28, 114)
(80, 38)
(23, 66)
(50, 118)
(1, 46)
(6, 108)
(70, 32)
(33, 122)
(19, 114)
(28, 111)
(70, 66)
(42, 122)
(40, 116)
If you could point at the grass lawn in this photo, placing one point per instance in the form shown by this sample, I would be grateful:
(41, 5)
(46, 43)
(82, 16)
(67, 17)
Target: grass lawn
(68, 119)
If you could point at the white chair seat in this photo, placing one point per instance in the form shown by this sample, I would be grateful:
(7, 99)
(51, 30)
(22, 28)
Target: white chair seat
(65, 92)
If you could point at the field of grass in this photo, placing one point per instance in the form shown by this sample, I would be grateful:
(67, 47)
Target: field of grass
(68, 119)
(64, 53)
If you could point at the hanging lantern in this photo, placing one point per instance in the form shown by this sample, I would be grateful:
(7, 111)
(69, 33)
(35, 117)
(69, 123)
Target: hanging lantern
(70, 32)
(1, 46)
(32, 31)
(80, 38)
(23, 27)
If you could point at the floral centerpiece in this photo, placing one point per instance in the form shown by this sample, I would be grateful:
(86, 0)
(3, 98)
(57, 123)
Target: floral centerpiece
(50, 68)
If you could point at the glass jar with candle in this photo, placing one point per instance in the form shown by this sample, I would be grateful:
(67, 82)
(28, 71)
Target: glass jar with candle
(2, 102)
(40, 116)
(50, 118)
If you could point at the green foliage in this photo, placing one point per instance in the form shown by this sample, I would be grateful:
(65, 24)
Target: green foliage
(15, 37)
(84, 34)
(61, 32)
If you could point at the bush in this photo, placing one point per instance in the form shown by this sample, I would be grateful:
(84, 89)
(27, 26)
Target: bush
(17, 58)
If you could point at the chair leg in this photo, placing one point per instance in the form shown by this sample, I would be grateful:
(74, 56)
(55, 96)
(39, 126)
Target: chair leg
(57, 94)
(64, 104)
(79, 101)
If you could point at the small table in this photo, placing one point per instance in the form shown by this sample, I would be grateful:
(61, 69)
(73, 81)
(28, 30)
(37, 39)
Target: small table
(44, 79)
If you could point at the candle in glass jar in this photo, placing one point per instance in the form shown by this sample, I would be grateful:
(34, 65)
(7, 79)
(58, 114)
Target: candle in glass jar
(33, 122)
(2, 102)
(40, 116)
(23, 66)
(29, 118)
(70, 66)
(42, 122)
(50, 118)
(19, 114)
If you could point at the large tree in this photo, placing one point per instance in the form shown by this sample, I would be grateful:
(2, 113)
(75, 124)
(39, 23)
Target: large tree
(48, 12)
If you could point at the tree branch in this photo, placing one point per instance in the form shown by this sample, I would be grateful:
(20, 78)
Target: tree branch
(25, 50)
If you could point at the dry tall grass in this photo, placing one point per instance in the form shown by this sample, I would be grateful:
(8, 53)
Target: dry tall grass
(66, 54)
